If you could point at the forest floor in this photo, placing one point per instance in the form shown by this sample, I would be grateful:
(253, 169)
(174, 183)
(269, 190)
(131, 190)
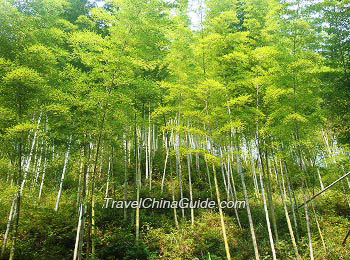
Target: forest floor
(46, 234)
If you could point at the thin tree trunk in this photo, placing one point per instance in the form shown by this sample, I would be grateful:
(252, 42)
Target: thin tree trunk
(42, 179)
(282, 193)
(272, 244)
(138, 187)
(21, 181)
(125, 174)
(9, 221)
(346, 237)
(256, 186)
(81, 172)
(38, 165)
(308, 223)
(149, 146)
(178, 167)
(320, 178)
(63, 174)
(269, 195)
(208, 174)
(190, 187)
(250, 219)
(173, 195)
(28, 161)
(319, 227)
(81, 222)
(227, 249)
(292, 202)
(108, 177)
(165, 162)
(15, 232)
(233, 188)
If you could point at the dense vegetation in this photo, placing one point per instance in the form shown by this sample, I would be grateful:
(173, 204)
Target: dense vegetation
(221, 99)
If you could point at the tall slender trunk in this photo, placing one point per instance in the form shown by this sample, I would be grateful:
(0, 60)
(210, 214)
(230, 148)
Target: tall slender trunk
(320, 178)
(173, 195)
(293, 203)
(233, 188)
(164, 171)
(63, 174)
(16, 217)
(250, 219)
(227, 249)
(146, 159)
(281, 187)
(38, 165)
(272, 244)
(269, 195)
(222, 168)
(308, 226)
(17, 202)
(9, 221)
(149, 139)
(178, 165)
(79, 228)
(138, 187)
(256, 186)
(209, 180)
(28, 161)
(108, 177)
(81, 172)
(125, 174)
(190, 186)
(42, 179)
(318, 227)
(82, 208)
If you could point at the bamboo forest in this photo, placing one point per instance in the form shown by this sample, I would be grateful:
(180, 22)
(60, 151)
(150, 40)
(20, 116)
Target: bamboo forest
(174, 129)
